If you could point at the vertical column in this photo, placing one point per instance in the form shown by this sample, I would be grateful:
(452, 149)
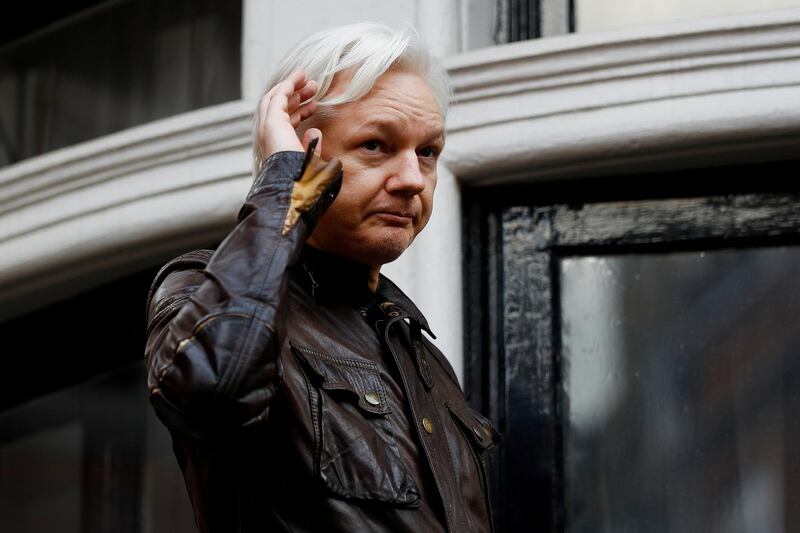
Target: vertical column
(430, 271)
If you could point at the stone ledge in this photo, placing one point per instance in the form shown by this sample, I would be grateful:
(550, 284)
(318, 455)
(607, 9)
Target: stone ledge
(713, 91)
(76, 217)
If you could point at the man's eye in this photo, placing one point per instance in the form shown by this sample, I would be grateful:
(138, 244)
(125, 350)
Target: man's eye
(371, 146)
(429, 151)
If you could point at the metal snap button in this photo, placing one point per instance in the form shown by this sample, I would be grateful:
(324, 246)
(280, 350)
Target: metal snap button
(373, 398)
(427, 424)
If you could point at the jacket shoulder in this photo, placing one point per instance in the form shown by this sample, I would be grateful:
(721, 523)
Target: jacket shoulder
(194, 261)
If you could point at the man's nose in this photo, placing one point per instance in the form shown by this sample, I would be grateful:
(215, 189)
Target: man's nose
(406, 177)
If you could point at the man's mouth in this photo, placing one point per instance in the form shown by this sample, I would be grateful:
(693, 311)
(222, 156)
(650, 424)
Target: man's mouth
(399, 218)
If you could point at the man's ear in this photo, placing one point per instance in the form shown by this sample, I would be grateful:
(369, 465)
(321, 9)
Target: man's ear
(308, 136)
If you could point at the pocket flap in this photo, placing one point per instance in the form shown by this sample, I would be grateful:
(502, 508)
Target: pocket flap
(479, 429)
(358, 378)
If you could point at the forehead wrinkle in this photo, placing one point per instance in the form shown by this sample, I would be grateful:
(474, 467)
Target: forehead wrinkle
(391, 115)
(408, 104)
(423, 100)
(388, 107)
(394, 99)
(398, 124)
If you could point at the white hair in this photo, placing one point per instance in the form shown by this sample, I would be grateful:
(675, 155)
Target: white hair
(372, 49)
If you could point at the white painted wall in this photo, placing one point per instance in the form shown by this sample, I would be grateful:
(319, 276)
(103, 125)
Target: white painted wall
(601, 15)
(271, 27)
(430, 271)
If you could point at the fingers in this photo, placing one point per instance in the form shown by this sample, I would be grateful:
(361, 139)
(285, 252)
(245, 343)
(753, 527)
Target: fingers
(290, 93)
(302, 113)
(308, 90)
(284, 85)
(281, 110)
(297, 105)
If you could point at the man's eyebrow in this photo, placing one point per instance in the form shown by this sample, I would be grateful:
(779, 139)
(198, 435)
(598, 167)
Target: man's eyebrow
(392, 125)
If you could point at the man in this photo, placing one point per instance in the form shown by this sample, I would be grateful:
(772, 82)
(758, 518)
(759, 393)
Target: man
(299, 389)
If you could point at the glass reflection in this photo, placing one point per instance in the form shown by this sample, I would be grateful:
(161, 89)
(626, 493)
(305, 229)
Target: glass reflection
(91, 458)
(681, 378)
(40, 481)
(114, 66)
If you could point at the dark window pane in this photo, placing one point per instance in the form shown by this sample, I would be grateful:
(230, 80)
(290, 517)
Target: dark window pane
(76, 339)
(40, 481)
(683, 381)
(91, 458)
(118, 65)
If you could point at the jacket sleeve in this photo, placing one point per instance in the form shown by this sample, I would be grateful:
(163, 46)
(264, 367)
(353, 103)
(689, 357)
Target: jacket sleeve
(216, 320)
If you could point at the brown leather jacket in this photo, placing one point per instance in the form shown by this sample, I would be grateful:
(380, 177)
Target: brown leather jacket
(297, 399)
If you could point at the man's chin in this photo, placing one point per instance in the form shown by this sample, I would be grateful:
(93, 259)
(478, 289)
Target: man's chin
(388, 246)
(375, 248)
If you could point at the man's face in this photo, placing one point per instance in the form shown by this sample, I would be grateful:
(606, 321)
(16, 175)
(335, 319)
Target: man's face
(388, 143)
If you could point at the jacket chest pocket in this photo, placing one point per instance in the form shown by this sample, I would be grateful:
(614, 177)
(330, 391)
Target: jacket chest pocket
(355, 454)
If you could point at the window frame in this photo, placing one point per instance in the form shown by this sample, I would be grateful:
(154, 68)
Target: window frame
(521, 20)
(513, 365)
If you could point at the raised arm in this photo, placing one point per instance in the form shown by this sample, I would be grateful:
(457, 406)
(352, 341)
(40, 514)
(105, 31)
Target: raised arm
(216, 321)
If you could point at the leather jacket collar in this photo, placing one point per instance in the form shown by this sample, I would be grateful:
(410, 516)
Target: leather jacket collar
(329, 277)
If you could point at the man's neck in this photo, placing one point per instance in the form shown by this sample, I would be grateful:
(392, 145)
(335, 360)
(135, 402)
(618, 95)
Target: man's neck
(337, 272)
(373, 278)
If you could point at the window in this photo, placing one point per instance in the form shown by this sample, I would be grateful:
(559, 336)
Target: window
(81, 448)
(92, 457)
(114, 65)
(639, 354)
(520, 20)
(682, 385)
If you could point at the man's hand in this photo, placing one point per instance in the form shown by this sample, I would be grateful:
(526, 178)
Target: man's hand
(317, 183)
(280, 112)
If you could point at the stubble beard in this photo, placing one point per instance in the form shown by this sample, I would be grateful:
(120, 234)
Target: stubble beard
(388, 246)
